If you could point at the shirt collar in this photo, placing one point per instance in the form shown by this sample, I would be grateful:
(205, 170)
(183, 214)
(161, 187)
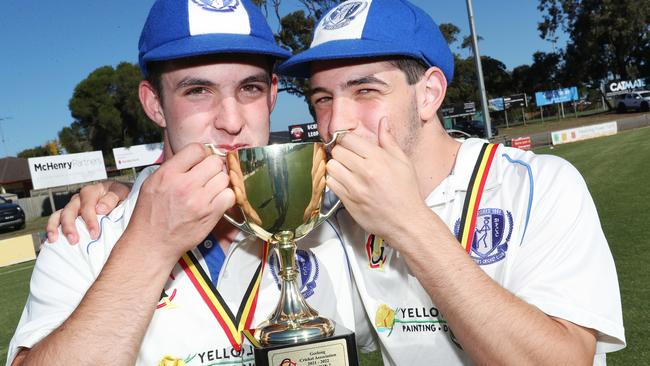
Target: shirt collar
(462, 173)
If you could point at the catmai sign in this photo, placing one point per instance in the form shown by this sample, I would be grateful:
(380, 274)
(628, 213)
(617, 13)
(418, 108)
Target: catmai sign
(61, 170)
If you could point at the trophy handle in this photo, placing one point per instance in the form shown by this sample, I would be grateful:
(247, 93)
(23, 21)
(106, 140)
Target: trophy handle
(213, 149)
(243, 226)
(325, 216)
(335, 137)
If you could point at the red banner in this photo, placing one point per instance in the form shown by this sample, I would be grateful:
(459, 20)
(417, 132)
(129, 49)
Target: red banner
(523, 143)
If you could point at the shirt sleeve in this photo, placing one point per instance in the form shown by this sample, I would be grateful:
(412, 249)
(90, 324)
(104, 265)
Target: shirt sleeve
(61, 276)
(564, 265)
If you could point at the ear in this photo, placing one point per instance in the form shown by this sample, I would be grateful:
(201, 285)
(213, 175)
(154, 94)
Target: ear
(431, 91)
(274, 92)
(151, 103)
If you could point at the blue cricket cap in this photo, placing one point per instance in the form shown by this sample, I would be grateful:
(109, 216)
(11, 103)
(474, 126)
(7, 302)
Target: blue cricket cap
(374, 28)
(185, 28)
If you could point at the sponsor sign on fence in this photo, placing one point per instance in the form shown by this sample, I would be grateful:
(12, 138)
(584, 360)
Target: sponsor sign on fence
(61, 170)
(621, 86)
(138, 155)
(556, 96)
(304, 132)
(17, 250)
(523, 143)
(584, 133)
(504, 103)
(459, 110)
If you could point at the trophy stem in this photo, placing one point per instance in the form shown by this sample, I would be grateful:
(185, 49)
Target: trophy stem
(293, 320)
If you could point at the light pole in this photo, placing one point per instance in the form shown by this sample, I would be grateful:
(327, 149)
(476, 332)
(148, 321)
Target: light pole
(2, 135)
(479, 71)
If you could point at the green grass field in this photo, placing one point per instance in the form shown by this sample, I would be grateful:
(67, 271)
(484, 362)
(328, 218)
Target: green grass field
(14, 282)
(617, 171)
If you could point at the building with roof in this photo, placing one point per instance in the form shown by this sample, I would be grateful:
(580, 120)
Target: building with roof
(15, 177)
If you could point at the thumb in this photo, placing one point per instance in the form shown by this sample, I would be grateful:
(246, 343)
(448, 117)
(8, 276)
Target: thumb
(387, 140)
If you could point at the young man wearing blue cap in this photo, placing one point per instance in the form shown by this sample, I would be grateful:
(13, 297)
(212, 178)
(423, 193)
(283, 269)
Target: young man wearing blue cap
(462, 252)
(122, 296)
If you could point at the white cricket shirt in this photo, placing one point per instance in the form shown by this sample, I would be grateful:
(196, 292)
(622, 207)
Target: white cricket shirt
(537, 234)
(182, 327)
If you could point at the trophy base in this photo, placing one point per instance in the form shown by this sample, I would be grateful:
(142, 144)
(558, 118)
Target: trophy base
(339, 349)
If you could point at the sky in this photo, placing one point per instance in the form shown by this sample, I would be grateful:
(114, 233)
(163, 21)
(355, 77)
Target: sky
(48, 47)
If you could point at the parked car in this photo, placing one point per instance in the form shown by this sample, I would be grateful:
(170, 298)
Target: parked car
(474, 128)
(639, 101)
(11, 215)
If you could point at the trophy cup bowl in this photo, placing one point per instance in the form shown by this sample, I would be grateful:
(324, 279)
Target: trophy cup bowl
(279, 190)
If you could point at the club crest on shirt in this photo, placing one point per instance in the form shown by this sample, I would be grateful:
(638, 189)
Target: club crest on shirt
(491, 235)
(307, 267)
(217, 5)
(376, 252)
(343, 14)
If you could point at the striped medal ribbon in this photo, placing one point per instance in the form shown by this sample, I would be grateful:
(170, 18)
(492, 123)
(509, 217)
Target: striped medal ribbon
(231, 325)
(474, 194)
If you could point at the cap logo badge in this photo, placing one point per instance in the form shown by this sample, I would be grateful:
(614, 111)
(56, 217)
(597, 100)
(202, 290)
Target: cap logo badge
(218, 5)
(343, 14)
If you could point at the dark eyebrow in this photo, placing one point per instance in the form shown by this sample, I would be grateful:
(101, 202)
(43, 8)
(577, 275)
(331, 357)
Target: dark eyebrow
(190, 81)
(313, 91)
(364, 80)
(259, 78)
(350, 83)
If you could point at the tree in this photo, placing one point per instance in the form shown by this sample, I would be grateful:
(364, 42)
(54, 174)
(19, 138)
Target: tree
(74, 139)
(544, 73)
(50, 148)
(607, 38)
(34, 152)
(107, 112)
(450, 32)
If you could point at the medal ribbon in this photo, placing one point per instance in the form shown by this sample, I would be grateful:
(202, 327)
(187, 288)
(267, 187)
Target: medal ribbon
(232, 326)
(474, 194)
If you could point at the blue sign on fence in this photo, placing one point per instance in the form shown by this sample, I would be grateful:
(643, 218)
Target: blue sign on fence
(556, 96)
(496, 104)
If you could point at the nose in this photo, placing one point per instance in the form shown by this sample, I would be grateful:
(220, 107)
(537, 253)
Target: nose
(229, 118)
(342, 117)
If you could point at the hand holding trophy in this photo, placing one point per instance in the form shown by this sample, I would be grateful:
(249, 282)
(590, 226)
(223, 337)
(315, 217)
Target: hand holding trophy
(279, 190)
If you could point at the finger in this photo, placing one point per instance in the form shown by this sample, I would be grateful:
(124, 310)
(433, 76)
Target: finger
(357, 144)
(89, 216)
(205, 170)
(387, 140)
(89, 196)
(107, 203)
(339, 175)
(339, 190)
(68, 217)
(215, 186)
(351, 160)
(187, 158)
(52, 227)
(222, 202)
(117, 193)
